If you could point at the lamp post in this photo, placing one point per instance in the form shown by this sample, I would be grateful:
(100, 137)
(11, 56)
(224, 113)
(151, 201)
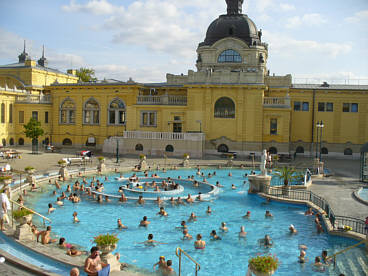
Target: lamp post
(316, 144)
(321, 125)
(117, 149)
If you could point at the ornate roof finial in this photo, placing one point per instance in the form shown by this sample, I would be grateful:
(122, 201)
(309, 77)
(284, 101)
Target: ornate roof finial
(43, 61)
(23, 56)
(234, 6)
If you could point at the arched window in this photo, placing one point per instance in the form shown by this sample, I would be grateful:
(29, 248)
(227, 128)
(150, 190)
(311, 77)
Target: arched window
(117, 112)
(348, 151)
(299, 149)
(169, 148)
(3, 141)
(20, 141)
(222, 148)
(2, 113)
(272, 150)
(67, 112)
(10, 113)
(11, 141)
(229, 56)
(67, 142)
(324, 150)
(224, 108)
(91, 112)
(139, 147)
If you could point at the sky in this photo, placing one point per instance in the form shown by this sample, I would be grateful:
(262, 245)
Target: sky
(314, 40)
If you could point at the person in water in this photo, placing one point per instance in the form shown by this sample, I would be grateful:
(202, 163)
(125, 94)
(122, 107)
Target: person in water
(199, 243)
(215, 236)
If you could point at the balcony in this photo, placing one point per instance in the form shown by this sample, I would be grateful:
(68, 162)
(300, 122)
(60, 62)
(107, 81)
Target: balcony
(162, 100)
(147, 135)
(33, 99)
(276, 102)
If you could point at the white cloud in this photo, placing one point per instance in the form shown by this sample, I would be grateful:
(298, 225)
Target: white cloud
(289, 47)
(358, 17)
(262, 5)
(287, 7)
(97, 7)
(312, 19)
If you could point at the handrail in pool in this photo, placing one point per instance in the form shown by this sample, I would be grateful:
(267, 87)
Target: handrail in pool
(344, 250)
(33, 212)
(178, 252)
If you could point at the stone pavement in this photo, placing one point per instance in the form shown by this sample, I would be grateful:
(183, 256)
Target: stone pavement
(7, 269)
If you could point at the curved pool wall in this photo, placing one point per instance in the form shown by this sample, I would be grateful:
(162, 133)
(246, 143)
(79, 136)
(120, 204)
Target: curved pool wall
(362, 195)
(226, 257)
(35, 259)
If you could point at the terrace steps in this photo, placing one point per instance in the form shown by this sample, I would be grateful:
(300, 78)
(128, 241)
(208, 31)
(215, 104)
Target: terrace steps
(353, 262)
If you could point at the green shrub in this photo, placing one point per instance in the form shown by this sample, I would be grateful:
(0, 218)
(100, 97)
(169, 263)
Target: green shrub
(264, 263)
(21, 213)
(105, 239)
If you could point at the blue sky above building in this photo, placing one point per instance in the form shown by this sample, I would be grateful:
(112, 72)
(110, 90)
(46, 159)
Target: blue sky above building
(145, 39)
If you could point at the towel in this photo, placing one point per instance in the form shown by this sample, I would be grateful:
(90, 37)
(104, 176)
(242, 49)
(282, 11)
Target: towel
(104, 271)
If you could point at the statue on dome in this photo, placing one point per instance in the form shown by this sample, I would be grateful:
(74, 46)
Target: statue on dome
(234, 6)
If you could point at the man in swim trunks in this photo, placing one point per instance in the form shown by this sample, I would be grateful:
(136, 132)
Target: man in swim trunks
(144, 222)
(93, 263)
(186, 235)
(45, 236)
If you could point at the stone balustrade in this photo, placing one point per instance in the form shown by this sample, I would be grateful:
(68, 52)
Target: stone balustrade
(33, 99)
(276, 102)
(162, 100)
(147, 135)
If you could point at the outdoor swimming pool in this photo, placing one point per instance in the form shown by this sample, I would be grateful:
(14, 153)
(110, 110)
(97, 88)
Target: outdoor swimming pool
(363, 194)
(226, 257)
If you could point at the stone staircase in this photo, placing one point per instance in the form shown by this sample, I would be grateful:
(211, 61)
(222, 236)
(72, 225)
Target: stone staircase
(353, 262)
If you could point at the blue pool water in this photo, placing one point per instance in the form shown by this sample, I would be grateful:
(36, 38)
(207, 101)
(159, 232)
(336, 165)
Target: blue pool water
(363, 194)
(226, 257)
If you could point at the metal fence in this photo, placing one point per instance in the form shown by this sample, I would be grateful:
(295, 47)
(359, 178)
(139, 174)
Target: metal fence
(337, 222)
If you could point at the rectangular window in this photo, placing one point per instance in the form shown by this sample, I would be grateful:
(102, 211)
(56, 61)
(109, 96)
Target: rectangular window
(345, 107)
(297, 106)
(112, 117)
(354, 107)
(329, 107)
(21, 117)
(71, 116)
(35, 115)
(321, 107)
(46, 117)
(121, 117)
(305, 106)
(10, 113)
(273, 126)
(149, 118)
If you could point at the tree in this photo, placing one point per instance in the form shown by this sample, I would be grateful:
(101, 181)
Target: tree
(33, 130)
(86, 74)
(286, 173)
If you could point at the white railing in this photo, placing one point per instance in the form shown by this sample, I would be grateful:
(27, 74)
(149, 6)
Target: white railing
(36, 99)
(278, 102)
(162, 100)
(163, 135)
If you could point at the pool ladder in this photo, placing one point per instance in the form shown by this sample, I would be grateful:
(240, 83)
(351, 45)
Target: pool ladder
(344, 250)
(178, 253)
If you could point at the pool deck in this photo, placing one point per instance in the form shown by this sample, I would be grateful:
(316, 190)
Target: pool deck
(337, 190)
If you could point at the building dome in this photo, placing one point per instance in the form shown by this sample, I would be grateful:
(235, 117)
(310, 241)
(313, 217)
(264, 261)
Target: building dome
(232, 24)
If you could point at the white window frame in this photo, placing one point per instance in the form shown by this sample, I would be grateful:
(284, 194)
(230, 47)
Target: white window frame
(117, 113)
(149, 112)
(68, 113)
(94, 113)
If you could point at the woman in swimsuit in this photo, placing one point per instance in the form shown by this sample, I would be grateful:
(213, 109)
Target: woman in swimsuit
(199, 243)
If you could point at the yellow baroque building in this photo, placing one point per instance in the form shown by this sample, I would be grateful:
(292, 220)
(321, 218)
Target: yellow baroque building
(230, 104)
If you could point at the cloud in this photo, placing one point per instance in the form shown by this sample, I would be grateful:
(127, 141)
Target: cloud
(287, 7)
(262, 5)
(312, 19)
(358, 17)
(289, 47)
(96, 7)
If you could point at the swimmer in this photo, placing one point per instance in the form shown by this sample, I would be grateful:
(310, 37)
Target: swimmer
(301, 257)
(309, 212)
(162, 212)
(75, 218)
(223, 227)
(151, 241)
(186, 235)
(267, 241)
(326, 260)
(214, 235)
(242, 233)
(51, 209)
(144, 222)
(168, 270)
(319, 228)
(230, 174)
(73, 251)
(199, 243)
(189, 199)
(199, 197)
(159, 201)
(179, 201)
(140, 200)
(123, 198)
(161, 264)
(59, 202)
(183, 225)
(233, 187)
(247, 215)
(121, 225)
(107, 198)
(292, 229)
(192, 217)
(172, 200)
(218, 184)
(268, 214)
(209, 211)
(317, 262)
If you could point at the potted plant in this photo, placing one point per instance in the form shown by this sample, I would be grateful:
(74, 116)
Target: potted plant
(142, 156)
(29, 169)
(287, 174)
(22, 215)
(186, 156)
(101, 159)
(265, 265)
(62, 163)
(106, 242)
